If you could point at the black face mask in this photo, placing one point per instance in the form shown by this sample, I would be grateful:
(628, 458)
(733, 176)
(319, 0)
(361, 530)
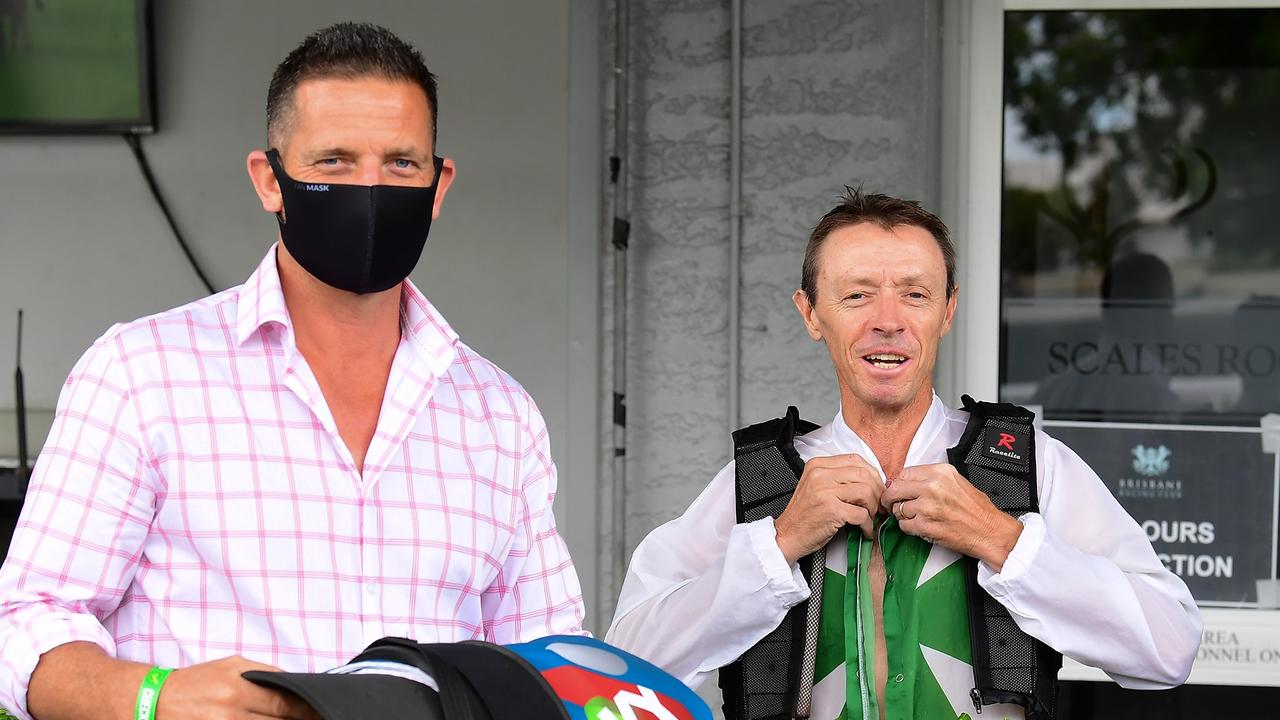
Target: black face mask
(358, 238)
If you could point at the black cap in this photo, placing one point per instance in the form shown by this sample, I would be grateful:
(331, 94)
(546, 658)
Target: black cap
(476, 680)
(356, 697)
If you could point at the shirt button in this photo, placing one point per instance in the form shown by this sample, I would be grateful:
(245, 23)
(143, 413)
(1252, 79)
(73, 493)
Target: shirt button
(890, 578)
(898, 678)
(370, 589)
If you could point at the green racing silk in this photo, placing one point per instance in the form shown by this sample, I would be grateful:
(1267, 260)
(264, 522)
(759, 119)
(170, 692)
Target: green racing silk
(926, 630)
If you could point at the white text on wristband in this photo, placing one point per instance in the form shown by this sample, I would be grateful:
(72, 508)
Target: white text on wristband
(149, 693)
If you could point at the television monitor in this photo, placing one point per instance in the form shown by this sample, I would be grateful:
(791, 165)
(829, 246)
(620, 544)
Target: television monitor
(75, 66)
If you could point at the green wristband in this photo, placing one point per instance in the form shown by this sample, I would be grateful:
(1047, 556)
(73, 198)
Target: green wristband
(149, 693)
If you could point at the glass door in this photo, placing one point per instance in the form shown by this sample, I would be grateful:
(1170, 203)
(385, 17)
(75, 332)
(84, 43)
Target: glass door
(1139, 285)
(1140, 266)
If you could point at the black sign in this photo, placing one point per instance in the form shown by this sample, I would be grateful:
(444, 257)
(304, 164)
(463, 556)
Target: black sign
(1206, 498)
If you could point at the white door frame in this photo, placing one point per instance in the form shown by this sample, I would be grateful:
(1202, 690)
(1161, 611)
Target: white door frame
(972, 53)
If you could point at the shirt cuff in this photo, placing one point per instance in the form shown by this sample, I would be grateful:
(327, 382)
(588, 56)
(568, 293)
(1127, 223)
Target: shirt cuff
(786, 581)
(1001, 585)
(24, 647)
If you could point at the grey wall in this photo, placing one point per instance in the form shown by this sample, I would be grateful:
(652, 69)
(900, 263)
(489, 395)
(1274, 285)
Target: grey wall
(836, 92)
(83, 245)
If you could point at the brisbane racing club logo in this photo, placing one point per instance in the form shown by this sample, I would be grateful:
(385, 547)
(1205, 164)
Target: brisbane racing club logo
(1151, 481)
(1151, 461)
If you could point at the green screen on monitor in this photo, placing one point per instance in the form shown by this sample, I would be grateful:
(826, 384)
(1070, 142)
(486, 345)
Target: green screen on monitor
(75, 66)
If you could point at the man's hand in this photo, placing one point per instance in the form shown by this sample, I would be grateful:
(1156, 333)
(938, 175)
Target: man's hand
(937, 503)
(79, 680)
(833, 492)
(216, 690)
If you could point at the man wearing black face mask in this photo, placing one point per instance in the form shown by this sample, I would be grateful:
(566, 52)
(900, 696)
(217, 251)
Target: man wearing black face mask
(277, 475)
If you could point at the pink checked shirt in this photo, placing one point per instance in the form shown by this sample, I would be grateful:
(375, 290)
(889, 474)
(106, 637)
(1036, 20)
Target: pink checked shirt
(194, 501)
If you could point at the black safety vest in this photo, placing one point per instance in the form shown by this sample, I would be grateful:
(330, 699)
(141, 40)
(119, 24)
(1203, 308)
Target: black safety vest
(773, 680)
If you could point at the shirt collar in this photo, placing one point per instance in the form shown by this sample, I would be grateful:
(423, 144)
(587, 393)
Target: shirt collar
(847, 441)
(426, 331)
(422, 327)
(261, 302)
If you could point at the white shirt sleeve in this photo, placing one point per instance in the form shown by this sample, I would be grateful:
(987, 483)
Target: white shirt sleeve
(1084, 579)
(702, 589)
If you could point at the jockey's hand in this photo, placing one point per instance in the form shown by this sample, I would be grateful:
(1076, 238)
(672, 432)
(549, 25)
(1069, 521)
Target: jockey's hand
(937, 503)
(833, 492)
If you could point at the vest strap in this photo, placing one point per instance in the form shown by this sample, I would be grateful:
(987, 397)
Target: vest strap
(774, 679)
(997, 454)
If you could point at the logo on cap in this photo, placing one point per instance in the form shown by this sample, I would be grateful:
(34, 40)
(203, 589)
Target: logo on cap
(624, 705)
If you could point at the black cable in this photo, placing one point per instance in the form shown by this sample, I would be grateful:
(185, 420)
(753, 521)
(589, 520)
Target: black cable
(136, 145)
(20, 405)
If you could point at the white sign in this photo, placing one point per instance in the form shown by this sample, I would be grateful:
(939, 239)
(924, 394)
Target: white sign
(1240, 647)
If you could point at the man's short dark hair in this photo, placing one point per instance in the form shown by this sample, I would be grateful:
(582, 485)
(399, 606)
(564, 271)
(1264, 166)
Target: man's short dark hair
(888, 212)
(346, 51)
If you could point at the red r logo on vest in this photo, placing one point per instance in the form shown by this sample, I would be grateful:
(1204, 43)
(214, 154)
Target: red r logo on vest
(1000, 444)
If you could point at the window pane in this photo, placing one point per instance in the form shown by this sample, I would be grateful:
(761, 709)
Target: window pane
(1140, 245)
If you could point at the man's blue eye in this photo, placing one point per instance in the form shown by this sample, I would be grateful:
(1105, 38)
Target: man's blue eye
(404, 164)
